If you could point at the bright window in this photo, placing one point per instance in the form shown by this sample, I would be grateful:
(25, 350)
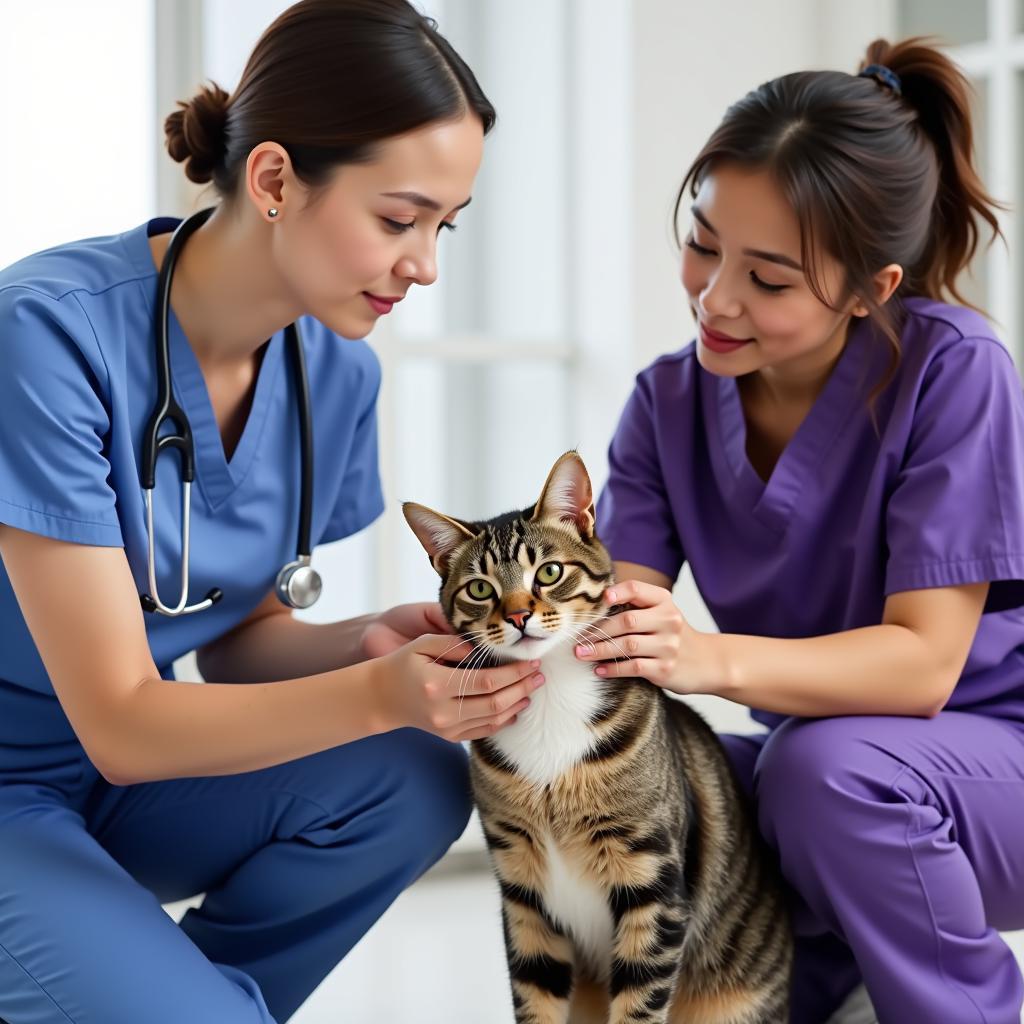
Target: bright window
(77, 121)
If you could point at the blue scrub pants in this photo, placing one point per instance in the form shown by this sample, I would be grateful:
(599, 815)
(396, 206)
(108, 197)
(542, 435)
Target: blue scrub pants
(903, 842)
(297, 861)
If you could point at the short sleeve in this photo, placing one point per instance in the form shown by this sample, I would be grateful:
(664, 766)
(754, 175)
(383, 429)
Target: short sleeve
(634, 517)
(54, 423)
(360, 498)
(956, 513)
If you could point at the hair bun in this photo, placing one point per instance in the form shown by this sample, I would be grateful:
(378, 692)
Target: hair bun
(197, 132)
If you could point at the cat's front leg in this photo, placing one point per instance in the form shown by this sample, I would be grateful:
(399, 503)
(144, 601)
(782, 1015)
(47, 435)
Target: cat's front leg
(540, 959)
(647, 953)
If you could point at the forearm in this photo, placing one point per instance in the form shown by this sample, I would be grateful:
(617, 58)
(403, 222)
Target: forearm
(877, 670)
(166, 730)
(281, 646)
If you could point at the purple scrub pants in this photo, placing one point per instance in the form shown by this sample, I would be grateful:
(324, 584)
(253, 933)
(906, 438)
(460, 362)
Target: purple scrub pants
(903, 841)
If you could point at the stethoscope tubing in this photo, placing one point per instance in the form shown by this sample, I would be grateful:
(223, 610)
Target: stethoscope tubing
(297, 584)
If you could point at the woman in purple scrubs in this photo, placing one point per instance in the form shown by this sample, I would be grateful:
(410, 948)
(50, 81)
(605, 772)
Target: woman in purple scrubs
(839, 456)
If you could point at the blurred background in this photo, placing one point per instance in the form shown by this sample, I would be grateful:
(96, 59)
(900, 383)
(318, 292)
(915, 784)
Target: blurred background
(561, 283)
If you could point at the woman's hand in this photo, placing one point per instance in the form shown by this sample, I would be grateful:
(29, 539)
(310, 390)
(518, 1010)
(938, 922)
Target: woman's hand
(653, 641)
(417, 687)
(394, 628)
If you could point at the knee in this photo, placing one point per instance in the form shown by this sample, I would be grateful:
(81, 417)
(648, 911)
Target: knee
(815, 777)
(430, 798)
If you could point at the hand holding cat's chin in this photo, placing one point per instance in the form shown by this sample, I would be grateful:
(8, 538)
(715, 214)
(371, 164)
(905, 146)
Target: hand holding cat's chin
(652, 640)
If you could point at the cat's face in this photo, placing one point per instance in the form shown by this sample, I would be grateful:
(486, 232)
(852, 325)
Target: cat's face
(526, 581)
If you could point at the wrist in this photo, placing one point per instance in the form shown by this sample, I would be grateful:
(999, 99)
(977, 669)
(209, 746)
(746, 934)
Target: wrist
(378, 697)
(722, 672)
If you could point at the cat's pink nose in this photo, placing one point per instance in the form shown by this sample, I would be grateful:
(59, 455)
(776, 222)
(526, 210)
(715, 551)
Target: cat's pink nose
(519, 617)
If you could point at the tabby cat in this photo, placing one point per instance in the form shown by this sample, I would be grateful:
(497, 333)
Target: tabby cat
(634, 885)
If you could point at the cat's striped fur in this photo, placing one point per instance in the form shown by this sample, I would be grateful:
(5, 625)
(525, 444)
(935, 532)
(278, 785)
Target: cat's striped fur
(634, 885)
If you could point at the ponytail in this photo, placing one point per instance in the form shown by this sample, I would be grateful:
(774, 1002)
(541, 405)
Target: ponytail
(940, 95)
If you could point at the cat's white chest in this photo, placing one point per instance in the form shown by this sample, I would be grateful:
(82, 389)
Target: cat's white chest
(579, 905)
(552, 734)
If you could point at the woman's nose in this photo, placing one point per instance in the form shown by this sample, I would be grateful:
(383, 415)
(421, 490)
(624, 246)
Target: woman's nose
(717, 298)
(419, 265)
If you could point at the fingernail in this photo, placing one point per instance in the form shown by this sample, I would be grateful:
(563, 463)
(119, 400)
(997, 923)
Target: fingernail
(535, 664)
(538, 679)
(611, 595)
(584, 650)
(601, 670)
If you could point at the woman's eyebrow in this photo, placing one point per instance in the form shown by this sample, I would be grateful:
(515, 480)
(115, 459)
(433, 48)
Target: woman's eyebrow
(760, 254)
(418, 199)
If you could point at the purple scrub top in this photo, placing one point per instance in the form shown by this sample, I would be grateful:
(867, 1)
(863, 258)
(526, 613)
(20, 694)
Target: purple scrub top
(850, 514)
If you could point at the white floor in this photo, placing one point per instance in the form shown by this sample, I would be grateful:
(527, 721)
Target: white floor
(436, 957)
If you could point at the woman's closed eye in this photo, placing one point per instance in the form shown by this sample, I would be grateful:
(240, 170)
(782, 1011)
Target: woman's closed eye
(399, 227)
(772, 289)
(700, 249)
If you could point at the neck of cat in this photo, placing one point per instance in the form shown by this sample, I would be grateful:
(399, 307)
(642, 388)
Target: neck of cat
(554, 732)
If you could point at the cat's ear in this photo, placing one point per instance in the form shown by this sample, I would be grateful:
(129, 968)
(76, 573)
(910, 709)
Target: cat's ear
(567, 495)
(440, 535)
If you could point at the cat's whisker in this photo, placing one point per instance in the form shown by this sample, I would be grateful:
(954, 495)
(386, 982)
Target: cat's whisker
(465, 637)
(604, 636)
(611, 640)
(461, 696)
(580, 637)
(464, 663)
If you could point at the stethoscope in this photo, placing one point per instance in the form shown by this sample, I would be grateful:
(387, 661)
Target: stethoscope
(298, 585)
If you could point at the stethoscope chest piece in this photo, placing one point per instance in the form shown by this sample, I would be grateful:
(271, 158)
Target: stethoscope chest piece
(299, 584)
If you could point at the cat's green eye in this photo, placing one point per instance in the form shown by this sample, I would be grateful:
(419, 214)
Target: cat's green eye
(480, 590)
(548, 573)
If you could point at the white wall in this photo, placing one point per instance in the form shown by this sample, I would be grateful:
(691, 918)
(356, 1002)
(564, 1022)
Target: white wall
(76, 119)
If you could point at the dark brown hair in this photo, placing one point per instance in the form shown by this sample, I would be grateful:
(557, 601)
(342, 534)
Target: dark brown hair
(877, 170)
(326, 81)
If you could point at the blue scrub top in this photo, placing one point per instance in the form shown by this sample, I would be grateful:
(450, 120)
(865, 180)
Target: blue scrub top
(77, 388)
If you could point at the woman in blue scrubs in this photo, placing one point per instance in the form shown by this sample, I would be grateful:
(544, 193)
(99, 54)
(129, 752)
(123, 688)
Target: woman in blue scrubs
(304, 801)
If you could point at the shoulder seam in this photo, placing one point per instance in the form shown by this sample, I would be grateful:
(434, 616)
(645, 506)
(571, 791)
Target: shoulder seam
(96, 341)
(961, 338)
(75, 290)
(948, 321)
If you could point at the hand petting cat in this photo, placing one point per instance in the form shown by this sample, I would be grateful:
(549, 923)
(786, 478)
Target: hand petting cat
(651, 639)
(394, 628)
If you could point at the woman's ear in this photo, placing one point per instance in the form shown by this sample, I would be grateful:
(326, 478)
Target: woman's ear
(886, 281)
(269, 178)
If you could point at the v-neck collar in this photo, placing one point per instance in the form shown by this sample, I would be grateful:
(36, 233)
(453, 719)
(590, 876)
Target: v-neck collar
(216, 476)
(771, 502)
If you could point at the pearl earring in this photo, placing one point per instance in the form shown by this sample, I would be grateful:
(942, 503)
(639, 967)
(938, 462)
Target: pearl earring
(272, 212)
